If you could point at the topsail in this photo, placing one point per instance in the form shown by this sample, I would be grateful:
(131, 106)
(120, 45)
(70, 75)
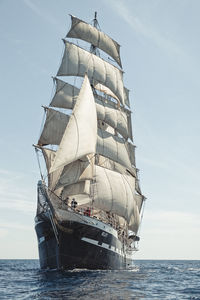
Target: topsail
(77, 61)
(82, 30)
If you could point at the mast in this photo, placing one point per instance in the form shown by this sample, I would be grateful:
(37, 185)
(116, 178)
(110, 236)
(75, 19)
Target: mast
(95, 22)
(93, 48)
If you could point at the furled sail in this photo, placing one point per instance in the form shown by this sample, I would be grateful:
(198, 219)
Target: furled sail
(54, 127)
(102, 88)
(79, 138)
(117, 194)
(82, 30)
(120, 119)
(107, 91)
(77, 61)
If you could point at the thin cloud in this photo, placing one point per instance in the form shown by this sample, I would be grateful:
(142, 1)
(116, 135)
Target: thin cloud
(6, 225)
(18, 205)
(145, 30)
(172, 223)
(3, 232)
(173, 218)
(42, 14)
(14, 193)
(170, 235)
(156, 163)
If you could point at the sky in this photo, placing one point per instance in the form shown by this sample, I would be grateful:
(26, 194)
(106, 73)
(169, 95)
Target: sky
(160, 51)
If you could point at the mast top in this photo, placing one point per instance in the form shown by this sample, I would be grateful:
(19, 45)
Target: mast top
(95, 22)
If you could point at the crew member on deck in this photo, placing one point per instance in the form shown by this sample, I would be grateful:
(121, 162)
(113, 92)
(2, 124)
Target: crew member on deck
(87, 212)
(73, 203)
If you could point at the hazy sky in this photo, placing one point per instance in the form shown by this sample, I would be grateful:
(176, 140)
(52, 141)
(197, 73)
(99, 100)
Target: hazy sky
(160, 55)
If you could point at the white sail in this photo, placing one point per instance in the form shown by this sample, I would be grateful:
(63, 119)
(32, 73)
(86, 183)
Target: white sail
(107, 163)
(108, 145)
(49, 156)
(131, 151)
(134, 222)
(137, 187)
(114, 148)
(77, 61)
(65, 95)
(54, 127)
(116, 118)
(80, 136)
(75, 172)
(108, 92)
(102, 88)
(139, 200)
(119, 119)
(79, 188)
(114, 192)
(84, 31)
(126, 97)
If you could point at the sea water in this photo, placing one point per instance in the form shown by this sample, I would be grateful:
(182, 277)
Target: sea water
(148, 279)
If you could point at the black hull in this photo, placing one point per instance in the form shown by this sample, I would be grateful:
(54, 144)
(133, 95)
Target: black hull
(78, 245)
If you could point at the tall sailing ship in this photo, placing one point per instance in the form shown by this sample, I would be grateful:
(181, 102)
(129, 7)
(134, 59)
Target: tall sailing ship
(89, 211)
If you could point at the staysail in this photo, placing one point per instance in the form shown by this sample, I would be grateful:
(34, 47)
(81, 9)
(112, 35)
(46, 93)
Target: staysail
(79, 138)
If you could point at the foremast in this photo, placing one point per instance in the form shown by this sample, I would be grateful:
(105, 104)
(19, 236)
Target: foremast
(89, 152)
(93, 48)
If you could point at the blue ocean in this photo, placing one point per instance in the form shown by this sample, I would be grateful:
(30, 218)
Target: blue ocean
(148, 279)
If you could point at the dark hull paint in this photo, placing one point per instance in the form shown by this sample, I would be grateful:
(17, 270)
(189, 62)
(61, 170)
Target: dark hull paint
(80, 246)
